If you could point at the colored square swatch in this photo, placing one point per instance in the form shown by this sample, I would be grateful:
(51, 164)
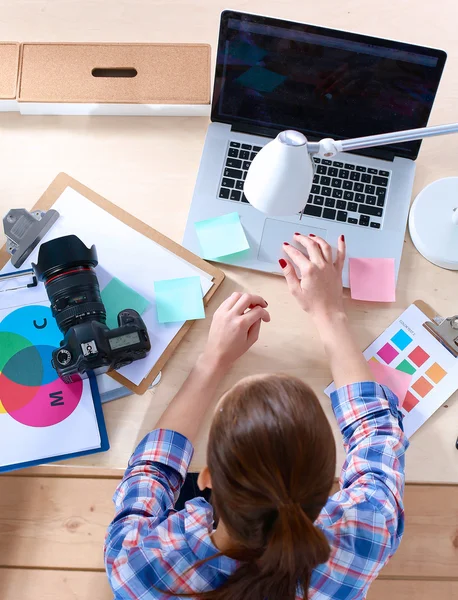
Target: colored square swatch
(401, 339)
(388, 353)
(406, 367)
(374, 360)
(418, 356)
(117, 296)
(179, 300)
(422, 387)
(436, 373)
(409, 402)
(372, 279)
(221, 236)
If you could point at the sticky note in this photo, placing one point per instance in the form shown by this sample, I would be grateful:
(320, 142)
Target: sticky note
(401, 339)
(118, 296)
(372, 279)
(397, 381)
(436, 373)
(179, 300)
(221, 236)
(388, 353)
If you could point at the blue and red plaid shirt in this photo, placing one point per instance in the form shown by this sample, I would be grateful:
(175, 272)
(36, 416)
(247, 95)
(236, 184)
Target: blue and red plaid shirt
(150, 547)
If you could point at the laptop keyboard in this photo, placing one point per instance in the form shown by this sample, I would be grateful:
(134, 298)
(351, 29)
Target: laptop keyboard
(343, 192)
(238, 161)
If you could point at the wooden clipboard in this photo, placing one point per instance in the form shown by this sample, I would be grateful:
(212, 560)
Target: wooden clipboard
(55, 190)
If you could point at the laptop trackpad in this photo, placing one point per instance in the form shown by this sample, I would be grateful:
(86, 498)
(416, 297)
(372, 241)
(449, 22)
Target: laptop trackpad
(276, 232)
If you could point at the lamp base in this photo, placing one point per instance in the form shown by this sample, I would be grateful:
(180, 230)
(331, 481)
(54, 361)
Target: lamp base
(433, 223)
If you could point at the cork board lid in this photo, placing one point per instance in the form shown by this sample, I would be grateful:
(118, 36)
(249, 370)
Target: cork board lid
(115, 73)
(9, 61)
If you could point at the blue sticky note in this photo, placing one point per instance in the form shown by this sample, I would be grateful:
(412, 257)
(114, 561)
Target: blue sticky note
(118, 296)
(260, 79)
(401, 339)
(221, 236)
(179, 300)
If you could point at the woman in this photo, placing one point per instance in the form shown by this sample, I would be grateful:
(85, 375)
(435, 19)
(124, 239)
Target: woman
(270, 465)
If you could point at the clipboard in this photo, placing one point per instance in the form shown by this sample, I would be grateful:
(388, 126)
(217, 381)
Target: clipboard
(50, 196)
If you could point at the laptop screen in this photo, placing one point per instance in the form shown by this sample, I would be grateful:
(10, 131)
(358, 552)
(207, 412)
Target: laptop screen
(273, 75)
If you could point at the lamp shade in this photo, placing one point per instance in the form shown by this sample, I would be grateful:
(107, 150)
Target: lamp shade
(280, 177)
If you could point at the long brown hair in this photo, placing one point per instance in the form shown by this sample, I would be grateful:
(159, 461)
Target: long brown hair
(271, 457)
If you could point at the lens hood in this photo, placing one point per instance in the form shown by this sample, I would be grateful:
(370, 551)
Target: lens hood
(61, 254)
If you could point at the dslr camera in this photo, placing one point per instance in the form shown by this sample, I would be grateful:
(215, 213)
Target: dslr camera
(66, 267)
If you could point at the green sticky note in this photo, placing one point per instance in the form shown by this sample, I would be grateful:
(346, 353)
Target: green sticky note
(221, 236)
(118, 296)
(179, 300)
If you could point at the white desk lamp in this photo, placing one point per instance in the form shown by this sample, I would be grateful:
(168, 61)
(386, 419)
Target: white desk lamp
(280, 179)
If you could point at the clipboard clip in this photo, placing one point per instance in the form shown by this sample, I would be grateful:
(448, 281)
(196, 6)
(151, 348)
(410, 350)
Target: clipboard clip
(445, 331)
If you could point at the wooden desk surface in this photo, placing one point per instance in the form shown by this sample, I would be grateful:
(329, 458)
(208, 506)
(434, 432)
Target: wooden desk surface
(148, 166)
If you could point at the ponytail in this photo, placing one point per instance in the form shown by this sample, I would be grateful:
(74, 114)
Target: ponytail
(294, 548)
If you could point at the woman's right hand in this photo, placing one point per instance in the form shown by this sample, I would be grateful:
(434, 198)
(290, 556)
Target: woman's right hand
(235, 328)
(319, 291)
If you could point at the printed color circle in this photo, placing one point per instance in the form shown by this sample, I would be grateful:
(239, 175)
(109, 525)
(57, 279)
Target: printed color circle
(51, 404)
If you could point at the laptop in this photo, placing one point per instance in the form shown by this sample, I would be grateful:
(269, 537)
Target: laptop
(273, 75)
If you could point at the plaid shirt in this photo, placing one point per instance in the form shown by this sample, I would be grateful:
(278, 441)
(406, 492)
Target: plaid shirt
(149, 544)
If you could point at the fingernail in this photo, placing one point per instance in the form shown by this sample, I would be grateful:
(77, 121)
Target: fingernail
(312, 235)
(282, 262)
(342, 237)
(285, 244)
(297, 233)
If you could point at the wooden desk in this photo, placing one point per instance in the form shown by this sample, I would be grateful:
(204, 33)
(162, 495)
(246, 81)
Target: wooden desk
(148, 166)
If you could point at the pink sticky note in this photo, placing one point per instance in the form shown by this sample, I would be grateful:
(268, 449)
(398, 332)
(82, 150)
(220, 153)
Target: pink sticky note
(398, 381)
(372, 279)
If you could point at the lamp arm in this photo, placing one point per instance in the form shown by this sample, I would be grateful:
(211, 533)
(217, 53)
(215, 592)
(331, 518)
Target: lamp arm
(329, 147)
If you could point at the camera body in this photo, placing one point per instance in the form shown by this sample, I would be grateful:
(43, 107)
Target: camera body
(66, 266)
(91, 346)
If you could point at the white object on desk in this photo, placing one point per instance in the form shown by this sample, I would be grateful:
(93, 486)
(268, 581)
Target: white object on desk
(433, 223)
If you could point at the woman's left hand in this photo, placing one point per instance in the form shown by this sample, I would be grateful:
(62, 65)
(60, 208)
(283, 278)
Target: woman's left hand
(235, 328)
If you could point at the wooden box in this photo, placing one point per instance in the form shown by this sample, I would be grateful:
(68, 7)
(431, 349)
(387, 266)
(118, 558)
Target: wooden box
(114, 79)
(9, 61)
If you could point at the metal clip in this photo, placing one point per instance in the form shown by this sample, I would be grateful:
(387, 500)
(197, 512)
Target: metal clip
(25, 230)
(446, 333)
(18, 275)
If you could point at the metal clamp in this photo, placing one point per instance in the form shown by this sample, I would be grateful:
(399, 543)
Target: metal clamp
(25, 230)
(445, 332)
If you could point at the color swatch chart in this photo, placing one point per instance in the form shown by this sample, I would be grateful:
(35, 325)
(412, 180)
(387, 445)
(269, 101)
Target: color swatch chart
(408, 347)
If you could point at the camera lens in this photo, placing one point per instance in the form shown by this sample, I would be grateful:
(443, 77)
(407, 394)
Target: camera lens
(66, 266)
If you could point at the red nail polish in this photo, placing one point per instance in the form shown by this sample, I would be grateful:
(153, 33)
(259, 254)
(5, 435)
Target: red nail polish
(297, 233)
(285, 244)
(342, 237)
(282, 262)
(312, 235)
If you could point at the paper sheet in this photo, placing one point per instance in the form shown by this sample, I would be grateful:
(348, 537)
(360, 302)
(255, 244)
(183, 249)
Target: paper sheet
(40, 415)
(372, 279)
(179, 300)
(124, 253)
(434, 370)
(221, 236)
